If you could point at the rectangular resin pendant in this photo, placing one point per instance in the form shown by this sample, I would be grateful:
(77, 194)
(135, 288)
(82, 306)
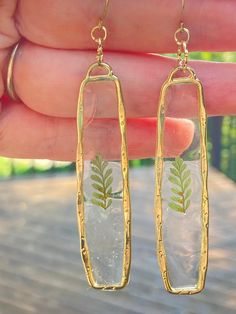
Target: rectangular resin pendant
(181, 200)
(104, 212)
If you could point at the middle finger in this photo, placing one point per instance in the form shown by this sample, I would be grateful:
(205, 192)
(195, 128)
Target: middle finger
(47, 80)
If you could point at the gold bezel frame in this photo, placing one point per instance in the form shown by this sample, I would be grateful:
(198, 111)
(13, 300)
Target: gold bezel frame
(124, 166)
(191, 79)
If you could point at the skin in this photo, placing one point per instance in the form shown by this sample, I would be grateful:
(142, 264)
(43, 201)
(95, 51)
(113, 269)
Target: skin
(57, 50)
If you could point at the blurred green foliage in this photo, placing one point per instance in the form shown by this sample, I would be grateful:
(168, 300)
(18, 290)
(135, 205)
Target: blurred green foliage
(221, 130)
(14, 167)
(228, 147)
(221, 140)
(214, 56)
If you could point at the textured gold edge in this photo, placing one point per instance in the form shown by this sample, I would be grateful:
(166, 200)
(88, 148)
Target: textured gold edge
(126, 195)
(204, 199)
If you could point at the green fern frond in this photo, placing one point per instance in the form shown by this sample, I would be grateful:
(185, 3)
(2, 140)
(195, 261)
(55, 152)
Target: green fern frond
(102, 182)
(180, 177)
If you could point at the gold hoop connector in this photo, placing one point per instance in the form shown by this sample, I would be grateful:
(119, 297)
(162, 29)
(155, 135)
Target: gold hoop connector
(10, 79)
(99, 29)
(184, 32)
(102, 32)
(99, 34)
(182, 52)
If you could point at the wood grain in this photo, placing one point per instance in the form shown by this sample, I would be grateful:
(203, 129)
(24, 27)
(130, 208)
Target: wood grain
(41, 269)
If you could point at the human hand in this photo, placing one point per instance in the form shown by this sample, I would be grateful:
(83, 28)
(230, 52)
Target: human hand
(53, 59)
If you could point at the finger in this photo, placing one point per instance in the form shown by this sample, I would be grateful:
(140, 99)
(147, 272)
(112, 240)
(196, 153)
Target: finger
(8, 32)
(3, 60)
(27, 134)
(132, 25)
(48, 80)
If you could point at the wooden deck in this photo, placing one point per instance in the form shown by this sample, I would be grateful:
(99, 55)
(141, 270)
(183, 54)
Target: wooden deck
(40, 266)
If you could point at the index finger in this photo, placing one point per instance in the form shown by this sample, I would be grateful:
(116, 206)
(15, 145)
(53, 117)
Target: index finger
(140, 26)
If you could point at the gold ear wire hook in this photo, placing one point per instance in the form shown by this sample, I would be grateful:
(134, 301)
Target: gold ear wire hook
(104, 15)
(182, 12)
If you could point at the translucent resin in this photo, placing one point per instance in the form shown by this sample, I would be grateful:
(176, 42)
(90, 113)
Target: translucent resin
(103, 193)
(181, 198)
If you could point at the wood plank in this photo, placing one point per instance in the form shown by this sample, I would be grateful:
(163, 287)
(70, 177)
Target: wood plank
(40, 264)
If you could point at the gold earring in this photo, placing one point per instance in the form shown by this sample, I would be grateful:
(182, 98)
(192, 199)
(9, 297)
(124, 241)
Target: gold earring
(181, 197)
(103, 203)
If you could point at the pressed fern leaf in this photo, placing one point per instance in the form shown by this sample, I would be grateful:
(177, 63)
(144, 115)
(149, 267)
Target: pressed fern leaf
(180, 177)
(102, 182)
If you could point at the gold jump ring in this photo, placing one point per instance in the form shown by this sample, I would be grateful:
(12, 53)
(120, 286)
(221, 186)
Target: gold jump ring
(182, 30)
(99, 29)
